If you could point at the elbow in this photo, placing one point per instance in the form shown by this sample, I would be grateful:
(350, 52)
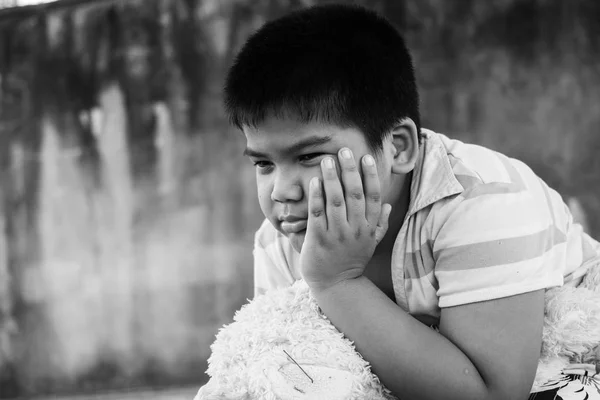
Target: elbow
(501, 389)
(515, 391)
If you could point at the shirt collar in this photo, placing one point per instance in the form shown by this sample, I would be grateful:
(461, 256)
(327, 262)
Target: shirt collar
(433, 178)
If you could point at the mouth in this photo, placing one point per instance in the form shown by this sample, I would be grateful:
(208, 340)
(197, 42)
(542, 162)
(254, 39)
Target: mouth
(293, 226)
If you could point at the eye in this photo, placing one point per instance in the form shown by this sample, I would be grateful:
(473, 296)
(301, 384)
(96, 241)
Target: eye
(263, 167)
(309, 157)
(262, 164)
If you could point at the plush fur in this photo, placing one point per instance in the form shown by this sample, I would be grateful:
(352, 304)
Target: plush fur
(571, 327)
(249, 359)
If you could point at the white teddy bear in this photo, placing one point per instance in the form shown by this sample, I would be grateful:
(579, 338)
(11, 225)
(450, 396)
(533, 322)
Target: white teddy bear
(281, 347)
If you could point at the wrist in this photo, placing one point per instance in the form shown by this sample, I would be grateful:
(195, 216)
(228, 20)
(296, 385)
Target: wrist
(321, 288)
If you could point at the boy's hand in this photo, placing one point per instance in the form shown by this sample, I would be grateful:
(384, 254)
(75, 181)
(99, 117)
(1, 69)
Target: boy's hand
(345, 223)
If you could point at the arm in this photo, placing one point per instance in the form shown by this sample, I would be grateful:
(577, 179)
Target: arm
(475, 357)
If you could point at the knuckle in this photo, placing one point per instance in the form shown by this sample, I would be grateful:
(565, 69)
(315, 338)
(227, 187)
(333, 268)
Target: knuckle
(376, 197)
(351, 167)
(357, 234)
(317, 212)
(337, 202)
(356, 194)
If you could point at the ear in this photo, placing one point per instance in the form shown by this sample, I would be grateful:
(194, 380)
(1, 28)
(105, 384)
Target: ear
(405, 140)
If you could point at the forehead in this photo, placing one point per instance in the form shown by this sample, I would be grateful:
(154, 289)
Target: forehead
(280, 135)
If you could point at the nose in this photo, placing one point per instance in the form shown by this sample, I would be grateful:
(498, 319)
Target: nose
(287, 187)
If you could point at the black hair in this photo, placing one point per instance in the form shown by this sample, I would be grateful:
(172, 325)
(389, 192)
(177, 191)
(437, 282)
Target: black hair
(340, 64)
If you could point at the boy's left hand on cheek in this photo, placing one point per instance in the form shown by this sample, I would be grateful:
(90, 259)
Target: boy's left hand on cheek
(345, 222)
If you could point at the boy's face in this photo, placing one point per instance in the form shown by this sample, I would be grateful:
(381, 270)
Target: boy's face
(287, 153)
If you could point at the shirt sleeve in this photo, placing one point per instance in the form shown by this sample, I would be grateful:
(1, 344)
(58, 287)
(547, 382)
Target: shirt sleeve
(499, 240)
(271, 269)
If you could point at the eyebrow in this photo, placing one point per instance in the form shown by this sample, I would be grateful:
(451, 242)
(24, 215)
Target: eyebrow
(312, 141)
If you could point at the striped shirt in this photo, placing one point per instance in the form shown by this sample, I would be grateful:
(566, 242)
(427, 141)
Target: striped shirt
(479, 226)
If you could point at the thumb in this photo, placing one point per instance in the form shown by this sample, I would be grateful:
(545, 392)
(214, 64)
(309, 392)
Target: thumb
(382, 224)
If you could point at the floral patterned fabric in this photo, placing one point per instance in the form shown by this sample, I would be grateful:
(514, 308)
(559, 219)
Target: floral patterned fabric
(578, 382)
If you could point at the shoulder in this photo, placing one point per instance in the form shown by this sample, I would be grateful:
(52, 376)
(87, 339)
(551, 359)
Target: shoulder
(502, 232)
(500, 198)
(475, 165)
(493, 182)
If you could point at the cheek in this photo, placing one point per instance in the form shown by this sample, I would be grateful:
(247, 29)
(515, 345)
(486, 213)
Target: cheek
(384, 185)
(385, 181)
(264, 196)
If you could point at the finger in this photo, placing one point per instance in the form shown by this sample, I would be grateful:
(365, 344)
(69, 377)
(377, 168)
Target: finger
(383, 223)
(316, 206)
(372, 190)
(335, 205)
(353, 187)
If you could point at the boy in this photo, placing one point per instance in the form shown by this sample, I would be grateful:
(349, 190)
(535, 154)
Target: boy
(396, 228)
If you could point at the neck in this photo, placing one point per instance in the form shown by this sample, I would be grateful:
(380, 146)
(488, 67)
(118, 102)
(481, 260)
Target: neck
(396, 218)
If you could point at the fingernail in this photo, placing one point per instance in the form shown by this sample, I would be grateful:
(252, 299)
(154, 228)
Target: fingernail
(314, 182)
(346, 154)
(369, 160)
(328, 162)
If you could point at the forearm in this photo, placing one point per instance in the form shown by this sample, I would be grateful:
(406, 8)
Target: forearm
(411, 359)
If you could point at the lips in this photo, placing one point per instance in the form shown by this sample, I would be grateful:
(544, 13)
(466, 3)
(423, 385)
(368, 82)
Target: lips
(294, 226)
